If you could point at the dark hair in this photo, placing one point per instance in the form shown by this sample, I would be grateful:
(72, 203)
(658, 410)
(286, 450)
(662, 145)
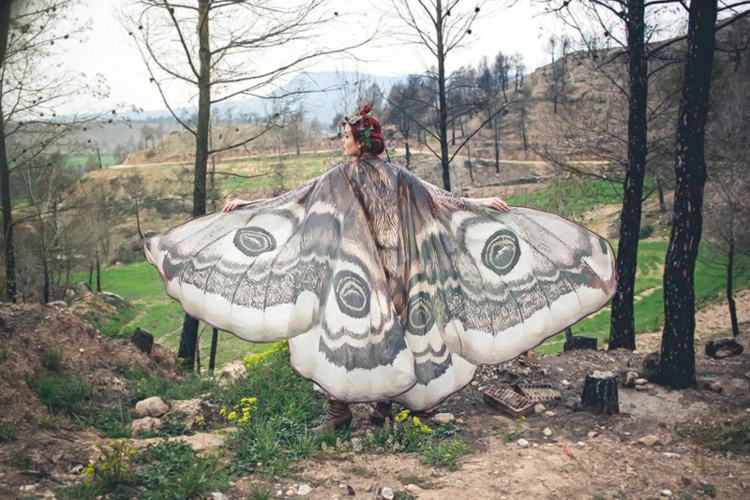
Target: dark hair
(366, 130)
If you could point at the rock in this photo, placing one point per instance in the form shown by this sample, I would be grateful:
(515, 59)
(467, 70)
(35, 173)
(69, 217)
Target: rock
(539, 408)
(460, 421)
(151, 407)
(641, 381)
(723, 348)
(670, 454)
(642, 387)
(350, 490)
(547, 432)
(304, 489)
(592, 434)
(630, 378)
(649, 440)
(443, 418)
(747, 375)
(191, 408)
(666, 493)
(27, 487)
(145, 425)
(523, 443)
(217, 495)
(290, 492)
(113, 299)
(565, 382)
(58, 303)
(550, 413)
(580, 444)
(414, 489)
(231, 372)
(143, 340)
(716, 386)
(77, 469)
(385, 493)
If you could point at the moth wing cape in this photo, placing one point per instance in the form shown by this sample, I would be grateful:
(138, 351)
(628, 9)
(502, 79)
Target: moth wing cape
(386, 286)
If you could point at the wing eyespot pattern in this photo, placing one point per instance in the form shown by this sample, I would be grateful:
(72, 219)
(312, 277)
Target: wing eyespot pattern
(421, 318)
(253, 241)
(352, 294)
(501, 252)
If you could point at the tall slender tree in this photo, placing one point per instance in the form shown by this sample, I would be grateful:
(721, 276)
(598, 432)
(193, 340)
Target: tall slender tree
(677, 356)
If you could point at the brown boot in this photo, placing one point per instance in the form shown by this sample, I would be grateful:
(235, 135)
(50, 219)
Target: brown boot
(338, 415)
(380, 411)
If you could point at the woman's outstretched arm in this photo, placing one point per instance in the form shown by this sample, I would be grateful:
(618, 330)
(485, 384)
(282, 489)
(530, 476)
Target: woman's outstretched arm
(493, 202)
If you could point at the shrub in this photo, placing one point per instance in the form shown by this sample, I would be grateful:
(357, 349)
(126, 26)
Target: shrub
(8, 432)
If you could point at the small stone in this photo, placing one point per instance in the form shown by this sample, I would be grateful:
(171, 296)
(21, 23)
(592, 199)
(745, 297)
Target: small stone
(368, 488)
(630, 378)
(539, 408)
(414, 489)
(77, 469)
(641, 381)
(279, 493)
(642, 387)
(747, 374)
(27, 487)
(592, 434)
(145, 425)
(474, 383)
(81, 350)
(386, 493)
(565, 382)
(547, 432)
(460, 421)
(350, 490)
(580, 444)
(444, 418)
(523, 443)
(666, 493)
(716, 386)
(550, 413)
(217, 495)
(151, 407)
(481, 388)
(649, 440)
(670, 454)
(304, 489)
(290, 492)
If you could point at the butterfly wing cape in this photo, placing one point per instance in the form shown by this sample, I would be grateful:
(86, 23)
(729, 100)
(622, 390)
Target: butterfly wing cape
(386, 286)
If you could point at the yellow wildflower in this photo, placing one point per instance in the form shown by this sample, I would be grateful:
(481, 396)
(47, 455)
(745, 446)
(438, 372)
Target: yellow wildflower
(425, 429)
(416, 421)
(403, 415)
(223, 411)
(232, 415)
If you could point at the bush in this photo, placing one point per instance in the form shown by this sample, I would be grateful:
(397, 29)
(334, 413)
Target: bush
(645, 231)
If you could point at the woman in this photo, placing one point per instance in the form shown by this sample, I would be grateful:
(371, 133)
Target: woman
(387, 287)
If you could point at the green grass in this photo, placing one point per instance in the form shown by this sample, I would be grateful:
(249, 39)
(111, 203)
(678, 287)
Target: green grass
(649, 310)
(153, 310)
(82, 160)
(730, 436)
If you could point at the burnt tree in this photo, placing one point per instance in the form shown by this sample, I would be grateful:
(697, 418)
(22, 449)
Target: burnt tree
(677, 356)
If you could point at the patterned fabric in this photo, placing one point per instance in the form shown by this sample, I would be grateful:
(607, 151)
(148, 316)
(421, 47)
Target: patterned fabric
(386, 286)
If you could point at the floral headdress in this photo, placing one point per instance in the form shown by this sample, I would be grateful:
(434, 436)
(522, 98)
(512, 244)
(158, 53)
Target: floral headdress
(365, 126)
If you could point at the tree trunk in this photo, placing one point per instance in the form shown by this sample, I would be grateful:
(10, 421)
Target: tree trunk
(677, 357)
(730, 293)
(660, 189)
(408, 154)
(189, 336)
(443, 120)
(622, 326)
(11, 292)
(98, 272)
(496, 136)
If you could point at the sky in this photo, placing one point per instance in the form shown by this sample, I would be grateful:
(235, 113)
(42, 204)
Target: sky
(107, 50)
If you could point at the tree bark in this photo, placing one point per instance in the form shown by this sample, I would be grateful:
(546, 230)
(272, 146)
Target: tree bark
(730, 293)
(11, 291)
(189, 336)
(677, 356)
(443, 120)
(622, 326)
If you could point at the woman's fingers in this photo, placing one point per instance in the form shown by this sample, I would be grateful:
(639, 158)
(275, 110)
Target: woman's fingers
(499, 204)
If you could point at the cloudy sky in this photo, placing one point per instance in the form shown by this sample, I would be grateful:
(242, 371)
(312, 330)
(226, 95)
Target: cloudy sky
(107, 50)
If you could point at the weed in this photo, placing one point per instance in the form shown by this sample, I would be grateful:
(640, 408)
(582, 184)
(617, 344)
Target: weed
(20, 458)
(514, 434)
(445, 453)
(708, 489)
(52, 359)
(259, 492)
(4, 355)
(66, 395)
(729, 436)
(8, 433)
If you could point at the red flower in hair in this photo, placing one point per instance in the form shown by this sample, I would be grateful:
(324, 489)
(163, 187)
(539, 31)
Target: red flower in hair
(365, 110)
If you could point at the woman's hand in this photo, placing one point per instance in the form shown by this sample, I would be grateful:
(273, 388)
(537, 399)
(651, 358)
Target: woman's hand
(496, 203)
(235, 203)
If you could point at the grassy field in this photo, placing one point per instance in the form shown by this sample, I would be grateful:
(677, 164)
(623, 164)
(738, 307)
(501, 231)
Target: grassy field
(80, 160)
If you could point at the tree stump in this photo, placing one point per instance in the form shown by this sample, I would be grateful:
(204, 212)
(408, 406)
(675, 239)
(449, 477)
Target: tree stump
(573, 342)
(600, 393)
(143, 340)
